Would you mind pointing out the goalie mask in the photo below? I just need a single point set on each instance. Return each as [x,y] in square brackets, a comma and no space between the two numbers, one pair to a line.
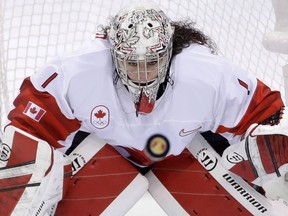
[141,39]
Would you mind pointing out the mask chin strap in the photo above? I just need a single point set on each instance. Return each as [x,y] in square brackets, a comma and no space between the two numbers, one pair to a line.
[143,106]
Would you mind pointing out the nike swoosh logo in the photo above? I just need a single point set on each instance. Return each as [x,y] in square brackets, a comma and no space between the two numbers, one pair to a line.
[183,133]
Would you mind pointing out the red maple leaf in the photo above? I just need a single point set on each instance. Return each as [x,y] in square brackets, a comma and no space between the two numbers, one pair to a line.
[33,110]
[100,114]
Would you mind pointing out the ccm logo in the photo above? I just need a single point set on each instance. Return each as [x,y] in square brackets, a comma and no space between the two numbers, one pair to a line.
[207,160]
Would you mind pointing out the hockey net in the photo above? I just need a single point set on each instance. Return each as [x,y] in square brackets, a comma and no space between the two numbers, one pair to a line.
[32,31]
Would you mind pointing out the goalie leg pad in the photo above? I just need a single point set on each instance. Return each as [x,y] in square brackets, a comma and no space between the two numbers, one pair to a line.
[107,185]
[31,174]
[182,186]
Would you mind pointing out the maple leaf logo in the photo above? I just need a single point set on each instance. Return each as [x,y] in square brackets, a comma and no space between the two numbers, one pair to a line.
[100,117]
[100,114]
[33,110]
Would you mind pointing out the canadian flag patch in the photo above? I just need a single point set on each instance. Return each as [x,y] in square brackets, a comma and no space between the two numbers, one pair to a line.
[34,111]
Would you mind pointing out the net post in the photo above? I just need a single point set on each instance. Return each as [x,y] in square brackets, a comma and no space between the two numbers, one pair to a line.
[277,41]
[285,75]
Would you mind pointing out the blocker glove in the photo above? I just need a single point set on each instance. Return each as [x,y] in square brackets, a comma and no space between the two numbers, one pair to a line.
[262,157]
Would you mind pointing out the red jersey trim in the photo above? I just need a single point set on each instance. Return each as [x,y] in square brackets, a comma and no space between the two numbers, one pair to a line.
[264,104]
[53,125]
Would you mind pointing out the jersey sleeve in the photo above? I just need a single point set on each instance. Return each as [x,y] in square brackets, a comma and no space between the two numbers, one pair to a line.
[41,107]
[246,100]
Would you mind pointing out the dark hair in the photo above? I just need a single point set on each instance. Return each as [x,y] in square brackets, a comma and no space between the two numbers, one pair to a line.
[186,34]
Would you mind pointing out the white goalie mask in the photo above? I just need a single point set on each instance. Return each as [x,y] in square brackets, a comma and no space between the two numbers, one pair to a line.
[141,39]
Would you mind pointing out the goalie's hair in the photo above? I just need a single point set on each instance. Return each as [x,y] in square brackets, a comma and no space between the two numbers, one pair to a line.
[186,34]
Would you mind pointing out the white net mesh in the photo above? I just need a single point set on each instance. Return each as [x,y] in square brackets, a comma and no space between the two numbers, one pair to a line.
[32,31]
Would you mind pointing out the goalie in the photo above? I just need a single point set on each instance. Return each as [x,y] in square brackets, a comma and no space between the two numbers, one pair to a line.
[145,85]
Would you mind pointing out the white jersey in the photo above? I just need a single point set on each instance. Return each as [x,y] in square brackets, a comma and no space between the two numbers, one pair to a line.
[208,93]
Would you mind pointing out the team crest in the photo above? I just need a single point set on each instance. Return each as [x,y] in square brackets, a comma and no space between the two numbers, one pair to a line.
[157,147]
[100,117]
